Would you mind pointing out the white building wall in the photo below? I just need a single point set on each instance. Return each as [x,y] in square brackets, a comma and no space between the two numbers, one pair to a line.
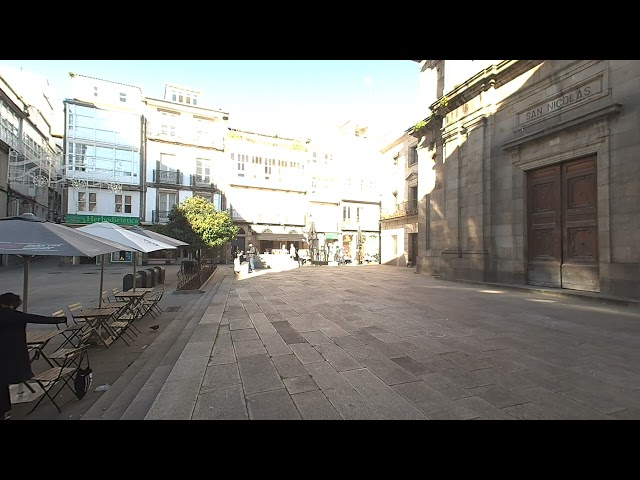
[107,93]
[458,72]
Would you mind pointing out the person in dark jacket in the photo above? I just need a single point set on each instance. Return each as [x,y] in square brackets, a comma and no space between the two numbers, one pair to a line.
[15,366]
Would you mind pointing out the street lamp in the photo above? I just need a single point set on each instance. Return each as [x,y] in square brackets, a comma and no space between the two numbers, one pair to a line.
[359,244]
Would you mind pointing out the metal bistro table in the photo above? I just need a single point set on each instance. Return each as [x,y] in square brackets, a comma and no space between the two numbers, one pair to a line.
[134,299]
[97,320]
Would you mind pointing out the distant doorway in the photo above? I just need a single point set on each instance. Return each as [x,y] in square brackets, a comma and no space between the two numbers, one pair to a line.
[413,249]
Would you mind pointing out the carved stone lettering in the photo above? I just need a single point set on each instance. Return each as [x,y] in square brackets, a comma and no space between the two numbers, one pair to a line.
[555,104]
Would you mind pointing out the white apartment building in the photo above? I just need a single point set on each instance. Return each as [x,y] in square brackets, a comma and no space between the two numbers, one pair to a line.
[358,160]
[185,155]
[104,154]
[323,197]
[266,190]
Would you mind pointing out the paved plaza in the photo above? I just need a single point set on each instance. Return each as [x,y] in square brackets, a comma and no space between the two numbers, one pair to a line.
[354,343]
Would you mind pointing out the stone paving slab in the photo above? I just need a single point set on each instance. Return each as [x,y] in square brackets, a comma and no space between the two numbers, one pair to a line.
[380,343]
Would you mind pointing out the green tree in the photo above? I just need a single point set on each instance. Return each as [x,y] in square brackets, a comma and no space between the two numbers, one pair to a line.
[197,222]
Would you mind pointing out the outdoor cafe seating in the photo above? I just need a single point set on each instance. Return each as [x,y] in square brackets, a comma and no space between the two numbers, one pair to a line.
[85,327]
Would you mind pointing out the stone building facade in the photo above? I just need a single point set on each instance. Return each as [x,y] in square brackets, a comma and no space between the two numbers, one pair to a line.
[537,179]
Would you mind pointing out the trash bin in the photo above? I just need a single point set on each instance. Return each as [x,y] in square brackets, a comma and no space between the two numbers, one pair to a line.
[160,277]
[127,281]
[153,277]
[145,276]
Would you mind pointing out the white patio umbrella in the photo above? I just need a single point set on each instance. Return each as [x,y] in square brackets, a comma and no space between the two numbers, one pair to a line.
[134,241]
[158,236]
[27,236]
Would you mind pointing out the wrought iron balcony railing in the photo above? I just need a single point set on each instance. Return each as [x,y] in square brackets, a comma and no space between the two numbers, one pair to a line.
[235,215]
[167,177]
[202,182]
[160,216]
[402,210]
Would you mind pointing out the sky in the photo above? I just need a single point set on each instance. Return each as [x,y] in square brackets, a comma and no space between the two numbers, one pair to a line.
[267,95]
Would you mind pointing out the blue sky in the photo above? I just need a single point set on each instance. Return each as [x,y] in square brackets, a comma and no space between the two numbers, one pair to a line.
[267,94]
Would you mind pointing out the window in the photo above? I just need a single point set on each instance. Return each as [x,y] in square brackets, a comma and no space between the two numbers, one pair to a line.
[268,162]
[203,170]
[87,202]
[181,99]
[168,162]
[413,155]
[204,129]
[77,156]
[123,97]
[123,204]
[166,201]
[242,159]
[413,199]
[346,213]
[173,97]
[168,123]
[195,101]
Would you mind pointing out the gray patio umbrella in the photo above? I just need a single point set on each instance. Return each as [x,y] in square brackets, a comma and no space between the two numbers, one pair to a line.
[134,241]
[27,236]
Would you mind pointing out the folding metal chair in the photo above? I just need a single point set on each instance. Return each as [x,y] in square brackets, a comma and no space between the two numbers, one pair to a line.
[151,306]
[71,332]
[123,323]
[64,375]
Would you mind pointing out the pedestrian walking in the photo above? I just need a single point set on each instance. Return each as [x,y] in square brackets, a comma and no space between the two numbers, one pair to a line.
[252,253]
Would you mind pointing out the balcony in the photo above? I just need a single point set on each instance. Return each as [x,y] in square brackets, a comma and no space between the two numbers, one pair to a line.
[166,177]
[203,182]
[160,216]
[403,209]
[235,215]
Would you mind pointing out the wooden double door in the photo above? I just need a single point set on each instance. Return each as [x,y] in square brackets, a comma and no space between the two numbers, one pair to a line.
[562,226]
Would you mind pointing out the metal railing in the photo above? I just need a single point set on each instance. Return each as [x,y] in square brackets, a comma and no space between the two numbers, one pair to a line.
[167,177]
[402,210]
[200,181]
[192,274]
[160,216]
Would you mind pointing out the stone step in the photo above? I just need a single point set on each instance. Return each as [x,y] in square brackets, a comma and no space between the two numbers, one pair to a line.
[132,392]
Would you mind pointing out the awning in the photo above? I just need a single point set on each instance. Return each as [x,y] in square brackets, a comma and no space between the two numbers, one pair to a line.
[283,237]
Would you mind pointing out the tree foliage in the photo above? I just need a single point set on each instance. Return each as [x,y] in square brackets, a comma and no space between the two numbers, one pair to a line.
[197,222]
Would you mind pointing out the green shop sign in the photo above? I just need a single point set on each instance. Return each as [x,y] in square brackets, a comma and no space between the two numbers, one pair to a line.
[331,236]
[88,219]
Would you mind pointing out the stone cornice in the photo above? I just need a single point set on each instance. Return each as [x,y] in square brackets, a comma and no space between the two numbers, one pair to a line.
[490,77]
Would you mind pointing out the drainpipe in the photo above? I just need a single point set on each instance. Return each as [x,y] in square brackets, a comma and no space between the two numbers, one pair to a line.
[380,232]
[143,170]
